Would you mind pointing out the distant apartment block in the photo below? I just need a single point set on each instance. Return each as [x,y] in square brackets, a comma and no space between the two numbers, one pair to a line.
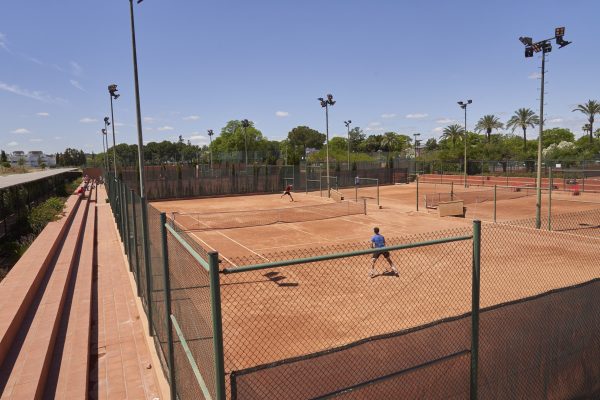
[31,159]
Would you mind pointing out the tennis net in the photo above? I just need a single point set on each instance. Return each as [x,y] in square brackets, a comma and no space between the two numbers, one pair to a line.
[196,221]
[432,200]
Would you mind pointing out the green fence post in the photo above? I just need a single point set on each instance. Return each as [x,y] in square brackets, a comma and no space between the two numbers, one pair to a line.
[551,184]
[417,179]
[147,262]
[215,301]
[475,309]
[136,267]
[167,288]
[495,186]
[126,220]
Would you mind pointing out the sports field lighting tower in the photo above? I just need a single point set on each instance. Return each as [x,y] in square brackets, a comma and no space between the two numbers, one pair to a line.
[245,125]
[463,105]
[103,131]
[112,93]
[210,135]
[325,104]
[347,123]
[416,142]
[545,47]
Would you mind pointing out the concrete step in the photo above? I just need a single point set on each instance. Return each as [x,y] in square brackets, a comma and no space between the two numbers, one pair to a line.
[25,369]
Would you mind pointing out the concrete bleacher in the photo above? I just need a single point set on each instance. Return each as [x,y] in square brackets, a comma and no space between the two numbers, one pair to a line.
[47,311]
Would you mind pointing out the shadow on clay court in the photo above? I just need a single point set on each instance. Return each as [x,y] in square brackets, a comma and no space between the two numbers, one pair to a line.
[278,279]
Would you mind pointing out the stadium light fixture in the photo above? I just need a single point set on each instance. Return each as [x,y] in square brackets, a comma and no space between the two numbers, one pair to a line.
[325,104]
[544,46]
[112,94]
[347,123]
[210,135]
[245,125]
[464,105]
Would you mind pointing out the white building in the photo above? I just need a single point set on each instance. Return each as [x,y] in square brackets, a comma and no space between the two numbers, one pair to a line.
[31,159]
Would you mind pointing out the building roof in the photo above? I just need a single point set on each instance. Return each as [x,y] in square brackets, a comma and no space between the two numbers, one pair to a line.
[19,179]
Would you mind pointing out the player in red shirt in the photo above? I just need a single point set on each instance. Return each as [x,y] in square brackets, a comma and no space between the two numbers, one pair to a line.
[288,189]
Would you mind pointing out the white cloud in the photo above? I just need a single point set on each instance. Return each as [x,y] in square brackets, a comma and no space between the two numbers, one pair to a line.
[35,140]
[75,68]
[439,129]
[43,114]
[374,123]
[444,121]
[35,94]
[57,137]
[556,120]
[416,116]
[88,120]
[3,42]
[166,128]
[20,131]
[374,127]
[191,118]
[76,84]
[388,115]
[282,114]
[534,75]
[12,144]
[119,124]
[149,120]
[148,129]
[197,138]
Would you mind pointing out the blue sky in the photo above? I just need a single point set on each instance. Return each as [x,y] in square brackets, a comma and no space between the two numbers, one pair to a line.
[391,65]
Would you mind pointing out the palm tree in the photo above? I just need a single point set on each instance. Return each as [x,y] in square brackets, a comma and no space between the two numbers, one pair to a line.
[590,108]
[524,118]
[389,141]
[453,132]
[488,123]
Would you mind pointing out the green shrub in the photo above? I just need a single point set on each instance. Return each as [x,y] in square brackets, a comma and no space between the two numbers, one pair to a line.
[42,214]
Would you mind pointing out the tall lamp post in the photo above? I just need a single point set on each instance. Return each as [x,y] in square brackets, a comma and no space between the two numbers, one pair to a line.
[416,142]
[545,47]
[210,135]
[325,104]
[246,124]
[112,92]
[463,105]
[347,123]
[104,149]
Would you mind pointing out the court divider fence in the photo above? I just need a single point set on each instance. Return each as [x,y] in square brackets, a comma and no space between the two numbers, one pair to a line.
[309,323]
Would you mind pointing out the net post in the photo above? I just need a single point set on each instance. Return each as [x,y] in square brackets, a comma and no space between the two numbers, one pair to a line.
[417,179]
[135,244]
[167,289]
[306,176]
[378,204]
[495,186]
[215,302]
[365,206]
[452,191]
[475,309]
[550,187]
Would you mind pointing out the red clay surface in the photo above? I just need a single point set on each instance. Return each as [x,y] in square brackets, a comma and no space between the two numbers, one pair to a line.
[275,314]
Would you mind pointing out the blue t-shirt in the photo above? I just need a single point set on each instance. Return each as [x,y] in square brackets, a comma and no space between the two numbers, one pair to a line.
[378,240]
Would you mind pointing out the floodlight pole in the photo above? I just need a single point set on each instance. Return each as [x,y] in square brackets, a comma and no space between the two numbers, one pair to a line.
[112,118]
[210,135]
[415,135]
[103,148]
[464,106]
[347,123]
[325,103]
[545,47]
[538,203]
[245,125]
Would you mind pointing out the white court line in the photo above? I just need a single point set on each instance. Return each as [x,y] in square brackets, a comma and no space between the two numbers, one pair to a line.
[241,245]
[213,249]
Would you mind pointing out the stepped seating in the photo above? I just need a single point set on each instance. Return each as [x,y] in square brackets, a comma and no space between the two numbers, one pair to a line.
[45,310]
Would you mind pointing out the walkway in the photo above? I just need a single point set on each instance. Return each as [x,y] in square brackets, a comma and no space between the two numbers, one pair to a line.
[125,369]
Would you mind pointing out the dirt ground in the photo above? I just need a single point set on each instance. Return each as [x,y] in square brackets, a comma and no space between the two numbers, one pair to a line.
[275,314]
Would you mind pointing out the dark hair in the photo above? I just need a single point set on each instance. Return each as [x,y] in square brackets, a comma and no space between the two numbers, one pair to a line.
[376,230]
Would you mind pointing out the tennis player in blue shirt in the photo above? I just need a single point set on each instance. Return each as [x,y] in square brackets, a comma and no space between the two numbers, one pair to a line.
[378,241]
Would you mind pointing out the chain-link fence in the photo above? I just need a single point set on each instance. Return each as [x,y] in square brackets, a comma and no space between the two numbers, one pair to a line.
[500,311]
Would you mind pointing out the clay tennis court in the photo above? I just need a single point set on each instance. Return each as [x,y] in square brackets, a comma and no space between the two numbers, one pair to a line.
[282,313]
